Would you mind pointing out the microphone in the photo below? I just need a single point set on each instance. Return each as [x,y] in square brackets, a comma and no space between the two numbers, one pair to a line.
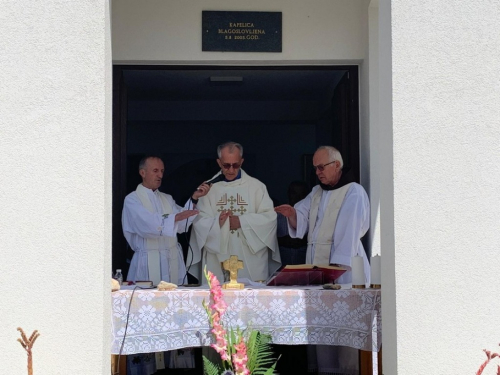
[216,179]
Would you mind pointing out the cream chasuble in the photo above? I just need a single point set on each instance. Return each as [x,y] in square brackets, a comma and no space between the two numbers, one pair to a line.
[255,243]
[153,244]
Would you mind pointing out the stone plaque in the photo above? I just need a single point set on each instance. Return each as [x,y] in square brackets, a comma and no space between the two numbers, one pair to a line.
[241,31]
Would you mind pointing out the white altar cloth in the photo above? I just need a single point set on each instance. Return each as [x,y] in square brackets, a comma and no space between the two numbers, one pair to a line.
[161,321]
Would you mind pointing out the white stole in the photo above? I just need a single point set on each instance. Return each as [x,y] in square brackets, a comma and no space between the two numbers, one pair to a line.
[324,239]
[153,244]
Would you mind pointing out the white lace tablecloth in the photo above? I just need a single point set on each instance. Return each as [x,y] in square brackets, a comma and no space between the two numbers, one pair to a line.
[161,321]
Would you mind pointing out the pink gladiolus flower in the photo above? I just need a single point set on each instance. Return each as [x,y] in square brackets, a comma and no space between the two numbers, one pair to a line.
[212,280]
[220,308]
[233,355]
[216,311]
[219,332]
[220,349]
[240,358]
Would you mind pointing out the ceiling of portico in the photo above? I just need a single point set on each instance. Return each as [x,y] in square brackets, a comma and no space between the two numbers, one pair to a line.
[270,91]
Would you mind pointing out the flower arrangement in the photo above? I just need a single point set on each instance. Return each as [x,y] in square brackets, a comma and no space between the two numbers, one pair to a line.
[241,353]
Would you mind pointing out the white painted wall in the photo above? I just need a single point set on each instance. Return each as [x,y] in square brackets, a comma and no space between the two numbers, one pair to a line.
[446,167]
[55,190]
[372,164]
[384,130]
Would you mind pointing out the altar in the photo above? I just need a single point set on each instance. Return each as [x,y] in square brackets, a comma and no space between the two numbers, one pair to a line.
[149,320]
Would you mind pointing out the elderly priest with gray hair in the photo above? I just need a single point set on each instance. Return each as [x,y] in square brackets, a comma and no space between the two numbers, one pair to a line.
[151,220]
[236,218]
[336,215]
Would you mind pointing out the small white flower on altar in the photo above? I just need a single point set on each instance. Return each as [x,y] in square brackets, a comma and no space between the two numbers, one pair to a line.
[228,372]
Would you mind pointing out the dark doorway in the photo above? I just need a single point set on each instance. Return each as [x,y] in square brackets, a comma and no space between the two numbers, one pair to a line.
[279,114]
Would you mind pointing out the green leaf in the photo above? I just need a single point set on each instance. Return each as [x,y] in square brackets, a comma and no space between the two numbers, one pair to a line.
[210,368]
[260,354]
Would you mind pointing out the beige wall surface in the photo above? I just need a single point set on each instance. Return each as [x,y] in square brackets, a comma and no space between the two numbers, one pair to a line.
[170,30]
[445,99]
[55,190]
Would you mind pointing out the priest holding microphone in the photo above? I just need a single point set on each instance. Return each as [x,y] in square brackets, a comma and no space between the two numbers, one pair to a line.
[236,218]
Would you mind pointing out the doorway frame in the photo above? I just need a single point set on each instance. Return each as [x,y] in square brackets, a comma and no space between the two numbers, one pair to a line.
[119,143]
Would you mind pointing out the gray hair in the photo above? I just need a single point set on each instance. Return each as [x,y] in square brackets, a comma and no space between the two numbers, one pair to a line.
[144,160]
[333,154]
[231,146]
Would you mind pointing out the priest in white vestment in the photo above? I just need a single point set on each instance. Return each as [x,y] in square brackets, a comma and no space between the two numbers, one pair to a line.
[336,216]
[236,218]
[151,220]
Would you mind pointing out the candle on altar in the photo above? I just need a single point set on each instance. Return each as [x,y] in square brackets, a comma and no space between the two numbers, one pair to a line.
[375,271]
[358,271]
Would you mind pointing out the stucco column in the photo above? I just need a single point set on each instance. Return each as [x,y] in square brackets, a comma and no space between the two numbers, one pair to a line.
[55,189]
[440,111]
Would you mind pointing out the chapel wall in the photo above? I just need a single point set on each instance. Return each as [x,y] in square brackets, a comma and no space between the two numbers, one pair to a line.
[55,189]
[441,168]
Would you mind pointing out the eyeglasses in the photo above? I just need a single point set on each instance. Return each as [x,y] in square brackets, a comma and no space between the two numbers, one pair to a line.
[228,165]
[321,167]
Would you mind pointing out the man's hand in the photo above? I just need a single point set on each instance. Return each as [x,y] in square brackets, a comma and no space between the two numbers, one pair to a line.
[286,210]
[234,222]
[202,190]
[185,214]
[223,217]
[289,212]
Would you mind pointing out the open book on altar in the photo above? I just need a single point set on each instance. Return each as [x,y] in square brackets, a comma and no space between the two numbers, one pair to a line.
[293,267]
[306,274]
